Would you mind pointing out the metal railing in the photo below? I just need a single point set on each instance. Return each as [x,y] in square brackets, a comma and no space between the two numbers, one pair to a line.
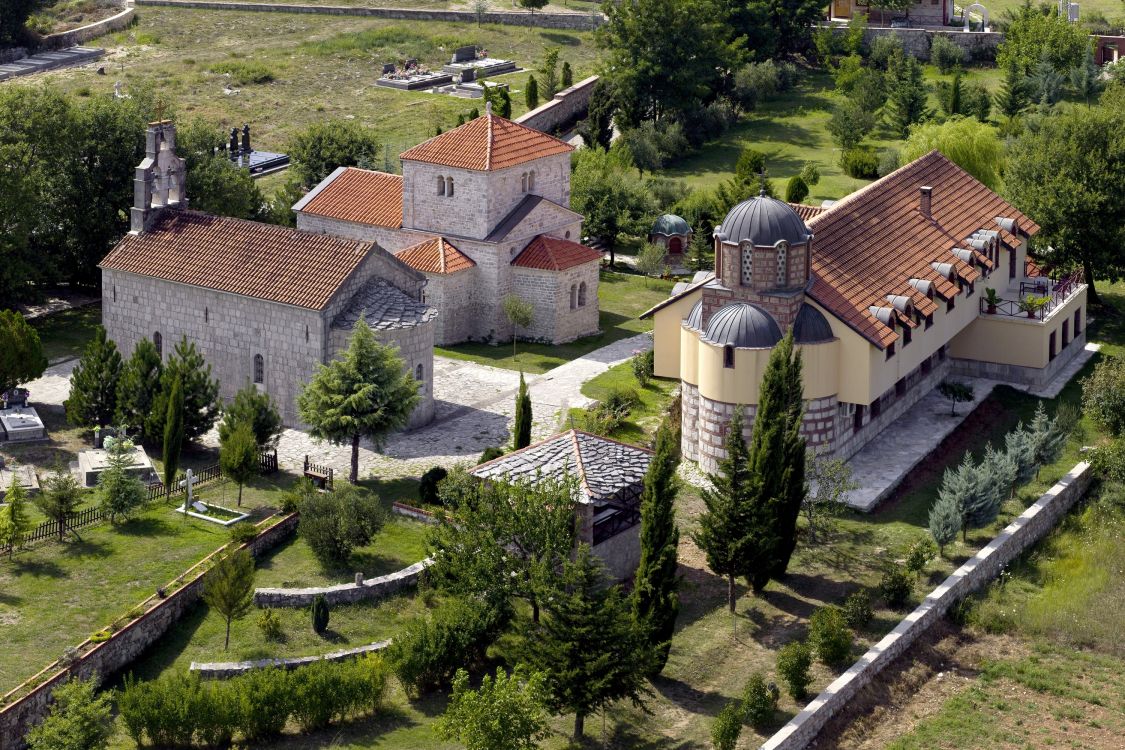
[1056,293]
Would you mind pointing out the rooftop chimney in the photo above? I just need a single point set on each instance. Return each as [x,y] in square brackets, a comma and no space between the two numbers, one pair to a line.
[924,195]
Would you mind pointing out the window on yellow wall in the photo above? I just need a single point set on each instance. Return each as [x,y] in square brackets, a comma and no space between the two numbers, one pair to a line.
[728,356]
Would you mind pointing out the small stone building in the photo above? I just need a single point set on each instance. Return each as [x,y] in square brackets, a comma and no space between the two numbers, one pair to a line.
[673,234]
[610,478]
[480,211]
[264,304]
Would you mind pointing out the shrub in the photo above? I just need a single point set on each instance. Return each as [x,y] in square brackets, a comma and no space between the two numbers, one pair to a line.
[883,50]
[896,586]
[243,72]
[796,190]
[759,701]
[857,609]
[728,726]
[320,614]
[335,523]
[1109,461]
[888,161]
[264,703]
[829,636]
[429,650]
[428,486]
[810,173]
[241,533]
[793,663]
[490,453]
[643,364]
[755,82]
[1103,395]
[270,625]
[621,399]
[920,554]
[324,692]
[945,54]
[860,163]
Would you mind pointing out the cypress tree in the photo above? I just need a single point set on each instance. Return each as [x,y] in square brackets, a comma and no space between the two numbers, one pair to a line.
[139,386]
[955,95]
[1011,99]
[532,93]
[726,526]
[655,601]
[93,384]
[793,489]
[173,435]
[521,430]
[567,75]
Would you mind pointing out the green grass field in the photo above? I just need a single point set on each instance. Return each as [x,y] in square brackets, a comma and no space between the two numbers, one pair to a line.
[622,298]
[639,427]
[66,333]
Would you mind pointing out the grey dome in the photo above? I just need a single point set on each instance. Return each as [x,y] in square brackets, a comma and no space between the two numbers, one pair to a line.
[670,224]
[744,325]
[810,326]
[694,318]
[764,221]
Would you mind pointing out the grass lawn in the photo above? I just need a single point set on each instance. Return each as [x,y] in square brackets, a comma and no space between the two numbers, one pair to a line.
[639,427]
[322,67]
[66,333]
[622,298]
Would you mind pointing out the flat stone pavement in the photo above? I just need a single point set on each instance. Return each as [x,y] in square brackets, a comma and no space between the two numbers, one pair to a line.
[475,409]
[63,58]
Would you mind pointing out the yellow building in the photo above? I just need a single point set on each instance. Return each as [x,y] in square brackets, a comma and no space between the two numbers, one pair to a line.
[886,292]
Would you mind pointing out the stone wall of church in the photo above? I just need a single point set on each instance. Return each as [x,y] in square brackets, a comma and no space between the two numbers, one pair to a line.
[505,186]
[390,239]
[228,329]
[549,293]
[463,214]
[452,295]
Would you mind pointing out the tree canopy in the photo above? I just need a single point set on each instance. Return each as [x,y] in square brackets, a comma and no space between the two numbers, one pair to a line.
[21,353]
[967,142]
[1032,35]
[324,146]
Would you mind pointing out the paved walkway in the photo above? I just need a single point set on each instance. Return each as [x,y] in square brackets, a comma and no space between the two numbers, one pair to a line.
[475,409]
[63,58]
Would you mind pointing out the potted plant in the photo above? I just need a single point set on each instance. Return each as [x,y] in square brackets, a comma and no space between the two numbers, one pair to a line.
[992,299]
[1032,304]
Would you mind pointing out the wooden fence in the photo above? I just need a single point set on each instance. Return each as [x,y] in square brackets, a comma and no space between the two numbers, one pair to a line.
[319,474]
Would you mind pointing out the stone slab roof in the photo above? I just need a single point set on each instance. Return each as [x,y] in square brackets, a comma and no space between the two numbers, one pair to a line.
[359,195]
[486,143]
[384,307]
[258,260]
[540,209]
[435,255]
[554,254]
[603,467]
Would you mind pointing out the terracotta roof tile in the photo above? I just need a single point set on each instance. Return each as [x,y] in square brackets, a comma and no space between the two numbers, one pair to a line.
[807,212]
[359,195]
[554,254]
[435,255]
[870,243]
[488,142]
[242,257]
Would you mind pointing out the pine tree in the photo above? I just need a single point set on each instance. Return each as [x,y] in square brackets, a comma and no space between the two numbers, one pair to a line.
[589,647]
[238,456]
[532,94]
[139,386]
[1012,99]
[173,435]
[983,504]
[1021,452]
[1001,469]
[521,430]
[93,384]
[59,499]
[964,488]
[954,95]
[726,526]
[255,408]
[1045,438]
[655,601]
[945,521]
[1086,79]
[200,392]
[907,95]
[229,588]
[119,491]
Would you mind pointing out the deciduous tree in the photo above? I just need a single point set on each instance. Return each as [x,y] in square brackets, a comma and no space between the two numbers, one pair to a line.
[323,146]
[967,142]
[79,719]
[830,481]
[335,523]
[507,712]
[520,314]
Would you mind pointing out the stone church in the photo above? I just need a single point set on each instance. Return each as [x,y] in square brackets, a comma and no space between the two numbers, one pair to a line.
[481,212]
[264,304]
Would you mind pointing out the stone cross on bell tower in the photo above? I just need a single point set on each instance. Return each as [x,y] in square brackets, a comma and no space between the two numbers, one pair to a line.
[160,179]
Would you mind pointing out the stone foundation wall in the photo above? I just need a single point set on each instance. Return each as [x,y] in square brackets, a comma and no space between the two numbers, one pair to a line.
[983,568]
[689,421]
[567,107]
[226,670]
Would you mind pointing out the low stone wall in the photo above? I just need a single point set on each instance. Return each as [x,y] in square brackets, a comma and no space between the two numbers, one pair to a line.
[344,593]
[410,511]
[567,107]
[224,670]
[571,21]
[91,31]
[984,567]
[979,45]
[103,659]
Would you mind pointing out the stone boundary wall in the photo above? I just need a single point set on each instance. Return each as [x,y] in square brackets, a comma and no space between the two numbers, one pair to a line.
[979,45]
[226,670]
[982,568]
[108,657]
[567,107]
[410,511]
[569,21]
[91,31]
[344,593]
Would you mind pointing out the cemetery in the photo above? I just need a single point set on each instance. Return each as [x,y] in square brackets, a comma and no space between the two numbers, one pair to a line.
[462,77]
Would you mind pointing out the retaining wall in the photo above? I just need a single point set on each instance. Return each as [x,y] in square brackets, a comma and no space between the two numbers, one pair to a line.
[979,45]
[571,21]
[565,108]
[91,31]
[228,669]
[344,593]
[984,567]
[103,659]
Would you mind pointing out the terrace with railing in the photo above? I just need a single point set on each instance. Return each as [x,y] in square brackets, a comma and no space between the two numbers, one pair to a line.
[1039,296]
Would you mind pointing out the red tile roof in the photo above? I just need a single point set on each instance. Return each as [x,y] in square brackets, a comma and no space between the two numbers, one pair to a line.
[242,257]
[872,242]
[360,195]
[554,254]
[488,142]
[807,212]
[435,255]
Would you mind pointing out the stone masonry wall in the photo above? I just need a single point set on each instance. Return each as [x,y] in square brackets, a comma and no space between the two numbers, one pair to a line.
[978,45]
[506,188]
[689,421]
[227,670]
[567,107]
[89,31]
[572,21]
[981,569]
[344,593]
[105,659]
[549,293]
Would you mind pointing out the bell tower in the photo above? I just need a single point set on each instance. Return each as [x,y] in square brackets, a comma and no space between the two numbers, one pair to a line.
[160,180]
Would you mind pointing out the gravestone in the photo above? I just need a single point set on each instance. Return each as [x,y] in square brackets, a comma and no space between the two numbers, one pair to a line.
[388,68]
[464,54]
[468,75]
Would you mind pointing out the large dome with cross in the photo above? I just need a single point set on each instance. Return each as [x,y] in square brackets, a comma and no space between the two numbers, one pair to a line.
[763,221]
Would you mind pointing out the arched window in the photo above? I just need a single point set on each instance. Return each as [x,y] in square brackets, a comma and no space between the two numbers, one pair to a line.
[531,180]
[158,342]
[440,185]
[259,368]
[782,262]
[582,294]
[747,265]
[419,372]
[573,296]
[728,356]
[523,182]
[449,186]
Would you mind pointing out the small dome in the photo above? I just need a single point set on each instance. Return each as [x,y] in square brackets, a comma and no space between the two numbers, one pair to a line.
[694,318]
[670,224]
[743,325]
[810,326]
[764,221]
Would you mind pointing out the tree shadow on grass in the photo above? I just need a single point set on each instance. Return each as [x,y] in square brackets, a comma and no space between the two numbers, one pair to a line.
[566,40]
[38,568]
[162,655]
[626,735]
[147,526]
[87,548]
[819,587]
[689,697]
